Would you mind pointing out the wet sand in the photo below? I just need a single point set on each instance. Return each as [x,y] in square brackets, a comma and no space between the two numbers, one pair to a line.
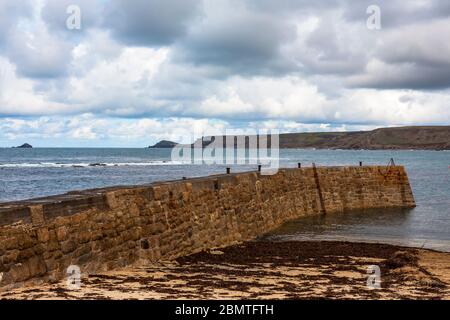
[268,270]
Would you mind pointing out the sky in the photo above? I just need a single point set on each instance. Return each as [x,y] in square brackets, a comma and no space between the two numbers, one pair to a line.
[133,72]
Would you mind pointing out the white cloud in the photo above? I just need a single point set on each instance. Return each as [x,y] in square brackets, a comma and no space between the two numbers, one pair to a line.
[391,107]
[117,86]
[39,54]
[88,129]
[17,95]
[113,131]
[282,98]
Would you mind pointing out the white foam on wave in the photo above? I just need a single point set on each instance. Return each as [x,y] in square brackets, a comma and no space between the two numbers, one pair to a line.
[90,165]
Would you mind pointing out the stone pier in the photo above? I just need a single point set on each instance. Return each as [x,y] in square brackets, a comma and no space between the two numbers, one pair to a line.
[110,228]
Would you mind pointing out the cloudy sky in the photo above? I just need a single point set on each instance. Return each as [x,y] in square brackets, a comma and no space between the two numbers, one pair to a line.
[142,70]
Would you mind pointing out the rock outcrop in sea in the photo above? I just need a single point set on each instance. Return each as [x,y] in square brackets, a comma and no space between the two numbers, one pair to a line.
[24,146]
[164,144]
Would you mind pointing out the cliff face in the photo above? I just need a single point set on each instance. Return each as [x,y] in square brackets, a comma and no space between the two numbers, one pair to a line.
[110,228]
[423,138]
[403,138]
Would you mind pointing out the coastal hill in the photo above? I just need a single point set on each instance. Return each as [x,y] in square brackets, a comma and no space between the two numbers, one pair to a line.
[419,138]
[164,144]
[24,146]
[400,138]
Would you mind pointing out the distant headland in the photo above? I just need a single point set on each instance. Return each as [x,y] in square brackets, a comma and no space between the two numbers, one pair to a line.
[399,138]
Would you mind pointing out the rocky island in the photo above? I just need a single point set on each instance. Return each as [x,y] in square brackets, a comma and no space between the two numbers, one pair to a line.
[164,144]
[24,146]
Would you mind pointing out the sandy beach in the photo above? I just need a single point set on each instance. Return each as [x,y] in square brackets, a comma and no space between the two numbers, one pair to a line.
[268,270]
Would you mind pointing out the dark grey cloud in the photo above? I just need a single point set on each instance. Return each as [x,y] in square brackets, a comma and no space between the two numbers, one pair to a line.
[150,22]
[256,39]
[245,43]
[410,57]
[325,52]
[404,76]
[10,14]
[422,45]
[29,45]
[410,50]
[39,56]
[291,6]
[247,38]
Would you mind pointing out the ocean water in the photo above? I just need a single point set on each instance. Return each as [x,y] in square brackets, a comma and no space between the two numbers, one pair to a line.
[29,173]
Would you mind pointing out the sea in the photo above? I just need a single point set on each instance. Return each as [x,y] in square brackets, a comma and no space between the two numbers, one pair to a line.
[38,172]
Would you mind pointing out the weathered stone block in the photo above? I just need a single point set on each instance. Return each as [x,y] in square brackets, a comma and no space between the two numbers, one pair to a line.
[37,266]
[84,259]
[25,240]
[68,246]
[61,233]
[37,215]
[84,236]
[111,200]
[25,254]
[19,272]
[10,243]
[10,257]
[82,250]
[52,246]
[43,234]
[157,193]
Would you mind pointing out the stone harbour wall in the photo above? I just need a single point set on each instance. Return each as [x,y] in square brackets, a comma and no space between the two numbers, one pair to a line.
[109,228]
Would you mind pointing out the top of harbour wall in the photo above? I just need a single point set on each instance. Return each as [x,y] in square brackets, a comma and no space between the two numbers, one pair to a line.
[78,201]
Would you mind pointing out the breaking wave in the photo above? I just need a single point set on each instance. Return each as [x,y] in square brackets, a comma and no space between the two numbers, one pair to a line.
[89,165]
